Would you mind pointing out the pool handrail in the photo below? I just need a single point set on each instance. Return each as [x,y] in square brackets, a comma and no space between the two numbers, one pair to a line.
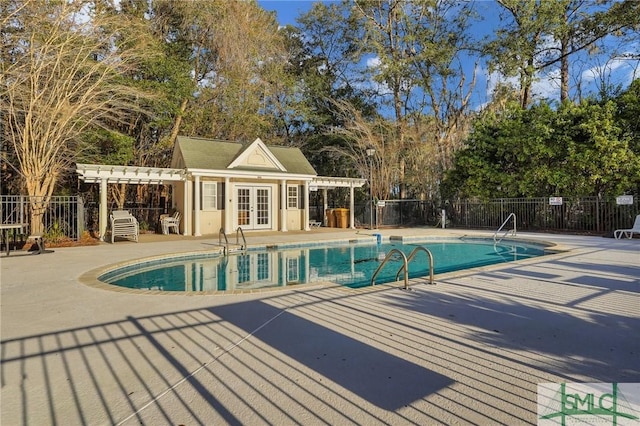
[387,257]
[513,231]
[244,241]
[239,232]
[412,255]
[226,241]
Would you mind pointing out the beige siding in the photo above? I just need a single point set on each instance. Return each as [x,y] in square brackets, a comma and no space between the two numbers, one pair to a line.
[211,222]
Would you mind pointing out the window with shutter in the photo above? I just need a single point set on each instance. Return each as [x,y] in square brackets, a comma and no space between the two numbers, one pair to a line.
[292,197]
[209,195]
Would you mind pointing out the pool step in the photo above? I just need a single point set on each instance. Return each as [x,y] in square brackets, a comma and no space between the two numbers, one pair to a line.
[234,249]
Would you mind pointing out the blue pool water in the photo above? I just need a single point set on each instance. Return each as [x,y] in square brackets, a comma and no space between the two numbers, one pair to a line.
[350,265]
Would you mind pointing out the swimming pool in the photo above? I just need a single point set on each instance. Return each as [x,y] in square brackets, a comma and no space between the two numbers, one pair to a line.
[351,265]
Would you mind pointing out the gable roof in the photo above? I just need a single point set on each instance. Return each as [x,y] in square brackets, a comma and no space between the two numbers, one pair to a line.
[257,155]
[210,154]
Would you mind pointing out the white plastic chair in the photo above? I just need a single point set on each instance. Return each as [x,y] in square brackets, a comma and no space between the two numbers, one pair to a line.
[171,222]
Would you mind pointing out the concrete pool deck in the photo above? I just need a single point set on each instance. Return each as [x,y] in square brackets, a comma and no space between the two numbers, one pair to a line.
[469,350]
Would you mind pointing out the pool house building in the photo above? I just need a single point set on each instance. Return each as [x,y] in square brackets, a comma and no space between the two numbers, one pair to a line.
[221,185]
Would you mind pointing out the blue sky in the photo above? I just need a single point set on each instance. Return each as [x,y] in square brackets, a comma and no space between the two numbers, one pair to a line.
[287,10]
[587,68]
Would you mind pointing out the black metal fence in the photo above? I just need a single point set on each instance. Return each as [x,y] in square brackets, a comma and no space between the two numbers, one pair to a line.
[66,217]
[58,216]
[576,214]
[592,215]
[148,217]
[69,216]
[397,213]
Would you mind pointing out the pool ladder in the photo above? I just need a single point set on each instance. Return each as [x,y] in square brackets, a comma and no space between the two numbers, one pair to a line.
[405,265]
[239,233]
[512,231]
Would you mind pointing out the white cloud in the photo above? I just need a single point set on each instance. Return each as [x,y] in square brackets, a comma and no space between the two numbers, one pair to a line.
[623,68]
[494,79]
[547,86]
[373,62]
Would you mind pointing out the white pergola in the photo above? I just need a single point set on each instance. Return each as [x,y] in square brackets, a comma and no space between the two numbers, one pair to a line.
[104,174]
[326,183]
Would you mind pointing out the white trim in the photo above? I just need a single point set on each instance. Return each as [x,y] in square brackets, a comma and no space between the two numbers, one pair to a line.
[337,182]
[256,145]
[253,190]
[352,217]
[246,174]
[206,184]
[305,215]
[229,205]
[196,207]
[283,205]
[94,173]
[297,196]
[186,213]
[103,210]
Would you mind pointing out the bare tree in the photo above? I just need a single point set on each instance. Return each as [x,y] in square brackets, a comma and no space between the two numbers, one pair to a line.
[365,134]
[63,65]
[420,46]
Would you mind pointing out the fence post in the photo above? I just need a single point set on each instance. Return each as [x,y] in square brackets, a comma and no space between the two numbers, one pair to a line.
[80,221]
[22,209]
[598,227]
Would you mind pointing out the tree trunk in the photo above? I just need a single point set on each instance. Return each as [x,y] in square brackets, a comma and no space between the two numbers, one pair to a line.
[39,191]
[178,122]
[564,70]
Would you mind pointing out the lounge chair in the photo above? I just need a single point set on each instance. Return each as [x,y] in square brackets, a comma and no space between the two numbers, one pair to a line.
[171,222]
[314,224]
[123,224]
[618,233]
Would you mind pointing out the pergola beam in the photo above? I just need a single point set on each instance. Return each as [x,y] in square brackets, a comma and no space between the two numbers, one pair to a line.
[94,173]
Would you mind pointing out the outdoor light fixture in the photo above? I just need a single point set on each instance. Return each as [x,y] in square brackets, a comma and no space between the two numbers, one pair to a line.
[370,153]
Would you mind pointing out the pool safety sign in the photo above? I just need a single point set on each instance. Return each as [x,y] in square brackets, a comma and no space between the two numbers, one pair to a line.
[555,201]
[616,404]
[624,200]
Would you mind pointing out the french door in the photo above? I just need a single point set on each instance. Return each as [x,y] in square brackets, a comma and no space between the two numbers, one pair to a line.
[253,207]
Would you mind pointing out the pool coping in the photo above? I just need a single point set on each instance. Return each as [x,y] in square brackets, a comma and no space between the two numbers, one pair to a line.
[91,278]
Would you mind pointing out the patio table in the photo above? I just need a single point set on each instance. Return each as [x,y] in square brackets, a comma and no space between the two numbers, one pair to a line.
[6,228]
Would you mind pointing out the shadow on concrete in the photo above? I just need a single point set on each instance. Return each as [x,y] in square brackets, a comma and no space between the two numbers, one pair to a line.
[383,379]
[118,372]
[590,328]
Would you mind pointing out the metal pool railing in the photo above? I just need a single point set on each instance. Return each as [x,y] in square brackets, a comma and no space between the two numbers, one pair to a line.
[58,216]
[413,254]
[599,215]
[405,264]
[513,231]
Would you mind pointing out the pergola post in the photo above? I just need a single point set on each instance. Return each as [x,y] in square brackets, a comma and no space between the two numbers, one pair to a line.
[102,221]
[305,225]
[196,208]
[352,206]
[283,205]
[186,216]
[228,206]
[325,205]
